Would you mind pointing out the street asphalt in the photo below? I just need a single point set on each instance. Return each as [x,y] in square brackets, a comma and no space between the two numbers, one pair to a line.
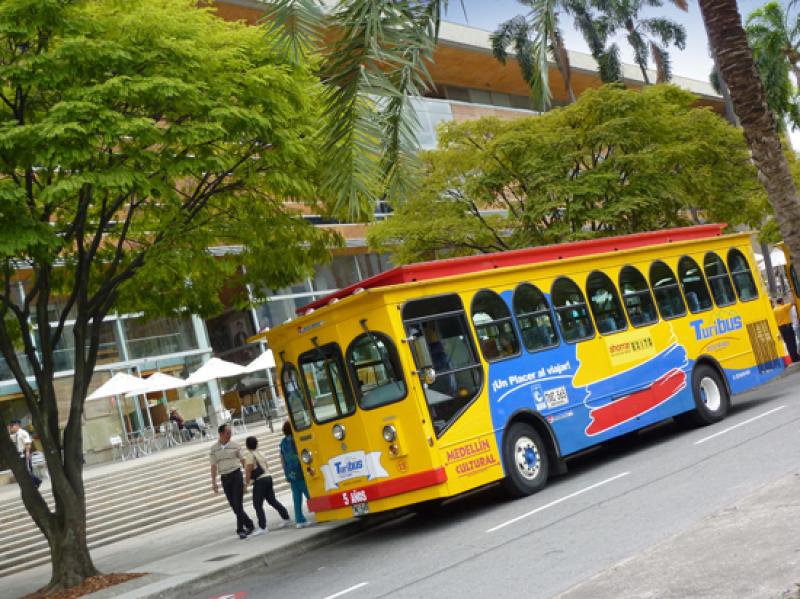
[707,512]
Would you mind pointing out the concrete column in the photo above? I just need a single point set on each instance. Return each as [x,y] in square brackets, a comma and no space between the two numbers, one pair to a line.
[203,342]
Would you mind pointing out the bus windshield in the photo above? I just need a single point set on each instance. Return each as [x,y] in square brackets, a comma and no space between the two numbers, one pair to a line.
[327,388]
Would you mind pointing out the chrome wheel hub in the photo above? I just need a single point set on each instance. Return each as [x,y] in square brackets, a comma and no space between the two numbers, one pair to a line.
[527,458]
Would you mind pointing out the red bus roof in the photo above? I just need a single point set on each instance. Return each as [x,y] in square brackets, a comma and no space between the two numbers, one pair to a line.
[435,269]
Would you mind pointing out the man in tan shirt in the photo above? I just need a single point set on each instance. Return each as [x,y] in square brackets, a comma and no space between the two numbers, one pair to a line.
[226,458]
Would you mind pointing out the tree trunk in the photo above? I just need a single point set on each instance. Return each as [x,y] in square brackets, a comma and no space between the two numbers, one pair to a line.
[735,60]
[638,52]
[730,113]
[771,286]
[562,62]
[69,550]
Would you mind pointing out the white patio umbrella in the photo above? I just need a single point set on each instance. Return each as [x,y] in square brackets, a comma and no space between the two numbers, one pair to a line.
[158,381]
[118,385]
[776,256]
[214,369]
[262,362]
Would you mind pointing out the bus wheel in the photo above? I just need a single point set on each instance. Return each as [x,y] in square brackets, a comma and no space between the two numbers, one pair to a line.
[711,397]
[525,460]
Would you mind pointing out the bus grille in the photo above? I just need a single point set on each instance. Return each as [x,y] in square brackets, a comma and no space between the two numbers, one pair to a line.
[763,345]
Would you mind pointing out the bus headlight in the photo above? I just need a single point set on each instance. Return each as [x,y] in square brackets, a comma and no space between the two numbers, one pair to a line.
[389,433]
[338,432]
[306,456]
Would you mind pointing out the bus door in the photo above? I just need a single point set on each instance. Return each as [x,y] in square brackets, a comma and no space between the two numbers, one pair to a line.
[445,357]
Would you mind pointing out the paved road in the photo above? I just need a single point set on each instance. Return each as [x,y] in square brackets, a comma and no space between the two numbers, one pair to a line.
[614,504]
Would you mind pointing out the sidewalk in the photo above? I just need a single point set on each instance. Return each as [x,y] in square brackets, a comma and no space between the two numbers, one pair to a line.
[183,559]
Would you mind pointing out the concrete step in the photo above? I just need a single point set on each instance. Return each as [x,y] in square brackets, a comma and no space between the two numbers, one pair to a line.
[173,480]
[124,526]
[109,517]
[131,501]
[134,477]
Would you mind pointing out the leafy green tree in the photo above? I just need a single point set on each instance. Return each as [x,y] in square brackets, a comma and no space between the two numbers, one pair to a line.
[134,136]
[773,32]
[537,36]
[648,37]
[616,161]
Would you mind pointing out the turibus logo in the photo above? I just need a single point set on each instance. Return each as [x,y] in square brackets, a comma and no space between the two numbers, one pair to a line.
[352,465]
[719,326]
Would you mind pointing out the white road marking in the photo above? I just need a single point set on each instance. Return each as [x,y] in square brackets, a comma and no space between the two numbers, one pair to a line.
[557,501]
[742,423]
[352,588]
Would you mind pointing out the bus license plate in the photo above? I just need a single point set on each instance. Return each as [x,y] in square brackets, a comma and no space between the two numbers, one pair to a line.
[360,509]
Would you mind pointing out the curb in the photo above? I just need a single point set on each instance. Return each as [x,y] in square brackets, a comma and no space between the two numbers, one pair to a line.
[180,586]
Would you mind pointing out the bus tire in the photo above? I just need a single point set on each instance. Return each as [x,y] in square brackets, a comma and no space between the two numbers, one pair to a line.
[525,460]
[711,397]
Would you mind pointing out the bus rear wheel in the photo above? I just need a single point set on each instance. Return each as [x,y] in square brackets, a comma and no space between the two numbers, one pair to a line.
[525,460]
[711,399]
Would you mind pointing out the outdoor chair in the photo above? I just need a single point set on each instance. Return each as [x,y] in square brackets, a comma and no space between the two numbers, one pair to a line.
[201,423]
[237,422]
[117,448]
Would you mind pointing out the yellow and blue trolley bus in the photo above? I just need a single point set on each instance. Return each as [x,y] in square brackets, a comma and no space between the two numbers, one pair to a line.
[429,380]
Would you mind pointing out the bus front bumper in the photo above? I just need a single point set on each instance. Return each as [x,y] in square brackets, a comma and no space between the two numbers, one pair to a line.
[374,493]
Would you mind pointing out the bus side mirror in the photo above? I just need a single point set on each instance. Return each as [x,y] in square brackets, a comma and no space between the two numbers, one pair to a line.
[429,375]
[419,345]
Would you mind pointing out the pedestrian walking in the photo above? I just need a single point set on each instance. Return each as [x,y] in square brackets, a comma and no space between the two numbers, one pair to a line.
[226,458]
[23,442]
[255,469]
[783,317]
[294,474]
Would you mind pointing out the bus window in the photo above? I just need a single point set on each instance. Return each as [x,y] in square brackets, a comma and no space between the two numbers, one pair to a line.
[571,311]
[296,402]
[325,383]
[637,297]
[605,304]
[665,287]
[458,373]
[718,280]
[742,277]
[375,370]
[534,318]
[492,321]
[694,285]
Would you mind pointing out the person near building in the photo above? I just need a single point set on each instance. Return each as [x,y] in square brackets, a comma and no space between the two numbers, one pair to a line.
[23,442]
[783,317]
[226,459]
[190,426]
[294,474]
[255,470]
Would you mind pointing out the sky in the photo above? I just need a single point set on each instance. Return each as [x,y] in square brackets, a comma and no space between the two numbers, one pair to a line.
[692,62]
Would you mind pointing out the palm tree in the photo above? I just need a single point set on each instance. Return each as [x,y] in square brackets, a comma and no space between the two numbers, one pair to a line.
[373,55]
[536,36]
[774,35]
[648,37]
[737,67]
